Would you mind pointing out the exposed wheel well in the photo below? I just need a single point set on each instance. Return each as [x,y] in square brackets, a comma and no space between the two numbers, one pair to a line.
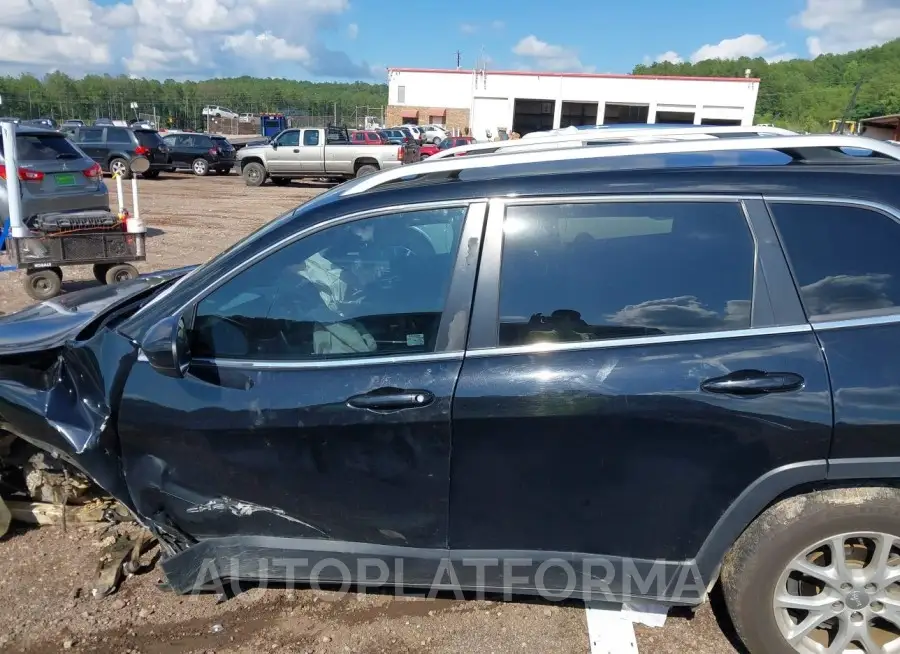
[365,161]
[250,160]
[712,554]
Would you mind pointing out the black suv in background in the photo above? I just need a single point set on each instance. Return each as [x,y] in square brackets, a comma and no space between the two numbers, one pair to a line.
[114,147]
[200,152]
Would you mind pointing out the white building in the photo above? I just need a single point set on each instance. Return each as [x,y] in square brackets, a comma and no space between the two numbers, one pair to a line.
[484,101]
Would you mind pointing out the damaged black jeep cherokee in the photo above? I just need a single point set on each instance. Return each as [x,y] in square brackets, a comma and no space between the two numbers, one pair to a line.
[612,376]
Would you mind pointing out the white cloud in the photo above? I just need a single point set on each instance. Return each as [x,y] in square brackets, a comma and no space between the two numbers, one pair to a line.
[747,45]
[175,38]
[497,24]
[544,56]
[468,28]
[671,56]
[838,26]
[352,30]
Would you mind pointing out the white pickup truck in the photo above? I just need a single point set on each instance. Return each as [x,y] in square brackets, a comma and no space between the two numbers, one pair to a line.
[310,152]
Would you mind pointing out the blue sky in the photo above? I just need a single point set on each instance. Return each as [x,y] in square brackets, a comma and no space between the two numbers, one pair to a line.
[358,39]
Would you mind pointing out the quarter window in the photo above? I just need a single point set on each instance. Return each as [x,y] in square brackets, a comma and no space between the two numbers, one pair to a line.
[311,137]
[584,272]
[117,135]
[844,258]
[373,287]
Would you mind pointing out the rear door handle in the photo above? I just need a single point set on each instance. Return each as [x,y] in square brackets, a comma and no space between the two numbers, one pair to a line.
[391,399]
[754,382]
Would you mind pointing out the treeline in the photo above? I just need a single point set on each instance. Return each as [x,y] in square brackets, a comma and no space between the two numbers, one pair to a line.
[806,94]
[103,96]
[798,94]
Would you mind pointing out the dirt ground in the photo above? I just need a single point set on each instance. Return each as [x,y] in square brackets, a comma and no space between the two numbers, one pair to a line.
[43,607]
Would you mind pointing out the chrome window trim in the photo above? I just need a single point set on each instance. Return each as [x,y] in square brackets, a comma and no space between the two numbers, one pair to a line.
[258,364]
[544,348]
[319,227]
[846,323]
[835,321]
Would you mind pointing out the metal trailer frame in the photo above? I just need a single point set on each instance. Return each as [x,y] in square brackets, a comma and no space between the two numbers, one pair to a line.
[109,249]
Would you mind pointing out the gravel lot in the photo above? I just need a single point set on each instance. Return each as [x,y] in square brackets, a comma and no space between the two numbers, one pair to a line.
[44,610]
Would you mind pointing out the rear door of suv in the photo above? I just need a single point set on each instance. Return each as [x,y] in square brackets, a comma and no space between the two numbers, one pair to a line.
[632,369]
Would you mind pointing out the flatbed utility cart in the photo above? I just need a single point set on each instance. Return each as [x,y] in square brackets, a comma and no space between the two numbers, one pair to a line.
[42,245]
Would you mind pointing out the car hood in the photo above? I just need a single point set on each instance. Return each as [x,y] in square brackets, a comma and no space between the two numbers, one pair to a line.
[252,149]
[51,323]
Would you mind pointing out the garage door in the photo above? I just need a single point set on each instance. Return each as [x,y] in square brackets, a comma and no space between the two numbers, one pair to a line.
[489,114]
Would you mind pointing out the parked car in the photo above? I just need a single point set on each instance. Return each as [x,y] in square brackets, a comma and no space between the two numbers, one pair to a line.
[246,118]
[200,153]
[304,153]
[413,132]
[10,119]
[661,427]
[54,174]
[114,148]
[454,141]
[46,123]
[428,149]
[103,122]
[219,112]
[396,136]
[433,134]
[73,122]
[368,137]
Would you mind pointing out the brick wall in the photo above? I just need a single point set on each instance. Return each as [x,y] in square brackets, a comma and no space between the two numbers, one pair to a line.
[453,118]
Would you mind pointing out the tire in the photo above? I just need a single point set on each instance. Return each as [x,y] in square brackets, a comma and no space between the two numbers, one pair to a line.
[367,169]
[151,174]
[120,272]
[200,167]
[281,181]
[436,140]
[43,284]
[120,165]
[757,564]
[99,270]
[254,174]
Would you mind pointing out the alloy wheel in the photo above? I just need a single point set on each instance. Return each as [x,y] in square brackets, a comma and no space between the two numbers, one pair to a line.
[842,595]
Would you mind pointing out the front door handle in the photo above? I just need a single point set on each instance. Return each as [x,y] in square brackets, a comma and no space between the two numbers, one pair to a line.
[391,399]
[297,150]
[754,382]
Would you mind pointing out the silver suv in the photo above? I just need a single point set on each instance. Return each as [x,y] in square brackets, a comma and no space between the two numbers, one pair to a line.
[55,175]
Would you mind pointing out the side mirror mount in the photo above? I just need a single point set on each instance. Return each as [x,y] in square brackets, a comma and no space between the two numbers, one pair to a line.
[166,347]
[274,144]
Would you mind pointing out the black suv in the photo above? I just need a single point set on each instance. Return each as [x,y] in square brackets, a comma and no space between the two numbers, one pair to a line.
[609,372]
[114,147]
[200,152]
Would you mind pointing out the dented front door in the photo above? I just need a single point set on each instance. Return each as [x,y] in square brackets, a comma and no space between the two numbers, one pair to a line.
[292,424]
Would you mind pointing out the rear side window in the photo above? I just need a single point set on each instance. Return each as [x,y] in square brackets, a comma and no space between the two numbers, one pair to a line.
[93,135]
[50,147]
[148,138]
[117,135]
[311,137]
[584,272]
[844,258]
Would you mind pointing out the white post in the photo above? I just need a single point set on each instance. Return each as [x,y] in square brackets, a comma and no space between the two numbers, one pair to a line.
[120,194]
[13,185]
[135,225]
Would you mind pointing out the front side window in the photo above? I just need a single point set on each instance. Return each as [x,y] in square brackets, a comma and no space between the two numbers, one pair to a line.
[289,139]
[585,272]
[372,287]
[844,258]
